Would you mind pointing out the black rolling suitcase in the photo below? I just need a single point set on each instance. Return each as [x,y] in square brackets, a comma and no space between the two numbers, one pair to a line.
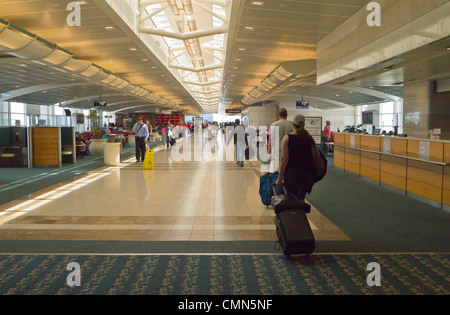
[294,233]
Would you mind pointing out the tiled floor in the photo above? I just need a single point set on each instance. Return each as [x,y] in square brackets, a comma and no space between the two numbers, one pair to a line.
[178,201]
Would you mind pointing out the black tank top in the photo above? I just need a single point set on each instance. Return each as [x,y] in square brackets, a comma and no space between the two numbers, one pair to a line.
[300,155]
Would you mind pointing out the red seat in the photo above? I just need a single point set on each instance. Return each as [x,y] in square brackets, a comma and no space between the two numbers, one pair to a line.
[81,149]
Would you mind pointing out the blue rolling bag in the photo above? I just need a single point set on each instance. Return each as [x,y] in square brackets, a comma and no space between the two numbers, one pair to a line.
[265,188]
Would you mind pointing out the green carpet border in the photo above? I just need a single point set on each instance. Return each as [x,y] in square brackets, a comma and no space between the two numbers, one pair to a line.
[239,275]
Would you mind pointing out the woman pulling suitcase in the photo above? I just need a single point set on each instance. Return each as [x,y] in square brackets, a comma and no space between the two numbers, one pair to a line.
[299,170]
[298,153]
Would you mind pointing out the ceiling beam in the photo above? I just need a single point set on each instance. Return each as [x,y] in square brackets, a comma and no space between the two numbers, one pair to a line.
[82,99]
[131,107]
[39,88]
[325,100]
[185,36]
[353,88]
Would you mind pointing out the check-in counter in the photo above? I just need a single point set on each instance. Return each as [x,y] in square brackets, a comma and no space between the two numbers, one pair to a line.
[393,171]
[370,165]
[417,167]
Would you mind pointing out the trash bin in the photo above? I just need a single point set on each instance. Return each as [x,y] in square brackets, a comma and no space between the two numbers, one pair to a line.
[112,153]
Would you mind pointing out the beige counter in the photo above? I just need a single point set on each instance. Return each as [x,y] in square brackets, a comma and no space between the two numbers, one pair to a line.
[419,167]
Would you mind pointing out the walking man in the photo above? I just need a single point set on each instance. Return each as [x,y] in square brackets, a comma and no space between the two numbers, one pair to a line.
[142,134]
[285,128]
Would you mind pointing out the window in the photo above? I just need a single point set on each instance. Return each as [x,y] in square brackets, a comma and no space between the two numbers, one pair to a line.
[17,108]
[390,115]
[18,119]
[4,115]
[18,111]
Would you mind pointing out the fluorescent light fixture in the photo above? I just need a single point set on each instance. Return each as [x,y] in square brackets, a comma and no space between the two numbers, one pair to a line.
[187,6]
[269,84]
[174,7]
[281,71]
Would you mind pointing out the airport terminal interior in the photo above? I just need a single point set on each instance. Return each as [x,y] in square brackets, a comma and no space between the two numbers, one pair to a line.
[79,214]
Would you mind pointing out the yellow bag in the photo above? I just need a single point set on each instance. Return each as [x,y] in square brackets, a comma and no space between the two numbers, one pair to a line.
[149,160]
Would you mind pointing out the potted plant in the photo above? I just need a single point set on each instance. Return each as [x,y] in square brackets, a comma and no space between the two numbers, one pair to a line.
[97,143]
[353,129]
[130,124]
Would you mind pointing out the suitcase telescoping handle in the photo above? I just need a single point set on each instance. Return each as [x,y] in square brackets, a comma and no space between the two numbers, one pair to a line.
[275,191]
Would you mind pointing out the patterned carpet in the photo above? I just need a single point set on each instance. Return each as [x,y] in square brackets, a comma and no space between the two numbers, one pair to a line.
[401,274]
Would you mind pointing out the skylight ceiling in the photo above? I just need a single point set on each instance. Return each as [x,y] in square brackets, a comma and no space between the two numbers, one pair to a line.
[194,33]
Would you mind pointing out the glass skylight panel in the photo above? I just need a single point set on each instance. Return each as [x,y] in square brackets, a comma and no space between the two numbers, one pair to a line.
[218,40]
[204,16]
[219,11]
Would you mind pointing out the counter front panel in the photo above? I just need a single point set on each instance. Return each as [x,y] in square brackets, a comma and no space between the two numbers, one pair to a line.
[415,166]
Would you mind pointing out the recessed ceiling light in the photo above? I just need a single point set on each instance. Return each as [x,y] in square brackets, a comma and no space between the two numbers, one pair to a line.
[238,59]
[258,3]
[144,59]
[248,28]
[242,49]
[132,49]
[110,28]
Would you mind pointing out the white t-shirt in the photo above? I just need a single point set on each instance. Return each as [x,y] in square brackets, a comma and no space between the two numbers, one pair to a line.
[284,128]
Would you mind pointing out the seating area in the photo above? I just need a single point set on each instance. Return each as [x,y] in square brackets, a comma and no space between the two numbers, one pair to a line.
[88,135]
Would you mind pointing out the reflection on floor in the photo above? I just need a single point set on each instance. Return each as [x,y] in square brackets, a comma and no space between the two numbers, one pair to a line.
[178,201]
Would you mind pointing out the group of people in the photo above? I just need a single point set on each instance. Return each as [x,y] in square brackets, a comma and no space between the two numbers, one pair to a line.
[298,150]
[169,133]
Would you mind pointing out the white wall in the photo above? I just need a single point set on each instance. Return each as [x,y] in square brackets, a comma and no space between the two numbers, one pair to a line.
[262,116]
[339,118]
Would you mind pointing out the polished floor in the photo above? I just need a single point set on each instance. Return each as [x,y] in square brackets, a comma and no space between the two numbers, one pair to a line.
[178,201]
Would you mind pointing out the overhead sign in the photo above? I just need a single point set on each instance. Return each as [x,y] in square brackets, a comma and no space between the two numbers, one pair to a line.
[233,111]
